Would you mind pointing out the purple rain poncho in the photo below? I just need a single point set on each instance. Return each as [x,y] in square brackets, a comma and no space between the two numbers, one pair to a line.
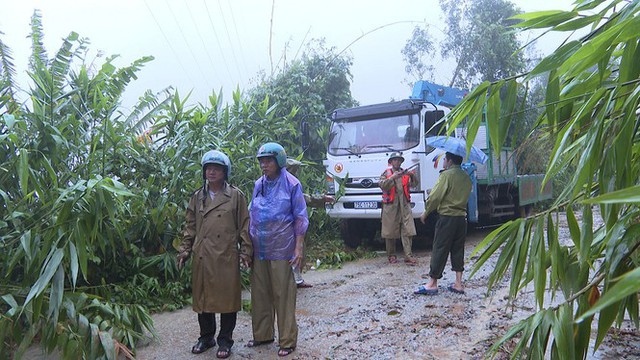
[278,214]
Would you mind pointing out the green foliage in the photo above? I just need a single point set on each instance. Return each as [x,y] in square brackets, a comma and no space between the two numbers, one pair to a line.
[477,39]
[417,49]
[92,200]
[591,118]
[309,89]
[331,253]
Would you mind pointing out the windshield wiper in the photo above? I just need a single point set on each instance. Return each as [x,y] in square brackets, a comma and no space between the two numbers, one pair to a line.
[346,149]
[388,147]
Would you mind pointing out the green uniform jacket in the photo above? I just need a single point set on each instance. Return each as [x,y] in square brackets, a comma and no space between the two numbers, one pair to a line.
[216,234]
[396,216]
[450,194]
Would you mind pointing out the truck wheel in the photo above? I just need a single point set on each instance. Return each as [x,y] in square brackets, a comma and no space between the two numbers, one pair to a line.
[351,232]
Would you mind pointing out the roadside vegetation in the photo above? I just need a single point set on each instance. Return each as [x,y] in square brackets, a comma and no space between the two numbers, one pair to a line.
[92,199]
[592,118]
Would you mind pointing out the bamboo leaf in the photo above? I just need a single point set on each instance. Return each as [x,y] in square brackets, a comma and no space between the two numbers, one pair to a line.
[25,241]
[73,262]
[49,269]
[108,345]
[55,296]
[23,171]
[493,117]
[629,64]
[543,19]
[578,23]
[586,236]
[563,331]
[540,263]
[625,285]
[521,252]
[556,59]
[574,228]
[507,110]
[622,196]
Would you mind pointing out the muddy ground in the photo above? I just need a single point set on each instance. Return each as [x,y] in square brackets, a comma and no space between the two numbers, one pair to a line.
[367,310]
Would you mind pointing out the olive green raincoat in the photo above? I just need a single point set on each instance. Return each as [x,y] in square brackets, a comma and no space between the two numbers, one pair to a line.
[216,233]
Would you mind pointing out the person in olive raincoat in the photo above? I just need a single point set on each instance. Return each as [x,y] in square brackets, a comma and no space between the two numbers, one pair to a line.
[217,234]
[397,220]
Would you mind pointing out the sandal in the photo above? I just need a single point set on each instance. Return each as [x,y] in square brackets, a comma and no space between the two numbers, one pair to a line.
[253,343]
[223,352]
[285,351]
[410,261]
[393,259]
[203,345]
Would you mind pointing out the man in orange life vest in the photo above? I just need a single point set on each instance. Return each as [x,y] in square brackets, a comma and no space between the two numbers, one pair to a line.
[397,221]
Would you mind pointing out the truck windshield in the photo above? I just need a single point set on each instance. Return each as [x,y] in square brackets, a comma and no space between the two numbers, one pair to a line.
[349,137]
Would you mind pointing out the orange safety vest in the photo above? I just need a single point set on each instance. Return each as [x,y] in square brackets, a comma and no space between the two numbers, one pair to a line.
[389,195]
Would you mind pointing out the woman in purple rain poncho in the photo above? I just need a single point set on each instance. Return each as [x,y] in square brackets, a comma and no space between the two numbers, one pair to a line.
[278,223]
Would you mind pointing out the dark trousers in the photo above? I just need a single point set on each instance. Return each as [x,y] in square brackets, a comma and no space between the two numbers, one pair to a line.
[207,322]
[448,239]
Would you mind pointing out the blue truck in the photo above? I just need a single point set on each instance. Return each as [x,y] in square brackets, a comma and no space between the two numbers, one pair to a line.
[362,138]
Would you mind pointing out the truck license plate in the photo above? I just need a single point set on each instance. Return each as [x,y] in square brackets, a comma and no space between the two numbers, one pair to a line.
[365,204]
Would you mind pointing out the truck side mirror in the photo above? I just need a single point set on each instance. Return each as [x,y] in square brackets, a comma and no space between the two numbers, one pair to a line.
[304,129]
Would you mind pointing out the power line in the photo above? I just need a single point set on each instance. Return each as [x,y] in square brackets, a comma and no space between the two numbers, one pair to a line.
[193,20]
[184,38]
[235,59]
[168,42]
[224,58]
[233,19]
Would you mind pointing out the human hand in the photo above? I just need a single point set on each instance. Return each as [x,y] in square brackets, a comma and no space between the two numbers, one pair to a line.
[182,258]
[296,260]
[423,218]
[245,262]
[329,199]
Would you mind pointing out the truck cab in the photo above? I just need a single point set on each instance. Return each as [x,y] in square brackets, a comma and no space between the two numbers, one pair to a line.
[360,142]
[362,138]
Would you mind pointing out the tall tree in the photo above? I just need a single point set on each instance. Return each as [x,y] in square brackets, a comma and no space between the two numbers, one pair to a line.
[479,41]
[477,38]
[592,118]
[310,88]
[414,53]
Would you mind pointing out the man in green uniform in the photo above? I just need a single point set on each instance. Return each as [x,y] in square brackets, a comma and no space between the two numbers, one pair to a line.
[449,197]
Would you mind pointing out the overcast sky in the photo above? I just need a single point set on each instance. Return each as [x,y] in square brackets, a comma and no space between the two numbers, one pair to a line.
[205,45]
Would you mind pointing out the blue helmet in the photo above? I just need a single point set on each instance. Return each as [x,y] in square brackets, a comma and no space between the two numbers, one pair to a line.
[216,157]
[275,150]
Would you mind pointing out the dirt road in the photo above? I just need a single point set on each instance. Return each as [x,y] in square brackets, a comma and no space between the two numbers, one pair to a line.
[367,310]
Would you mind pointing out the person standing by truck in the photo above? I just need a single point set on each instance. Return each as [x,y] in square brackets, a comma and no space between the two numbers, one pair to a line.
[449,197]
[397,221]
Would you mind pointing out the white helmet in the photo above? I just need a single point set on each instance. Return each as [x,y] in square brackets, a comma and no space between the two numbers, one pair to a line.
[216,157]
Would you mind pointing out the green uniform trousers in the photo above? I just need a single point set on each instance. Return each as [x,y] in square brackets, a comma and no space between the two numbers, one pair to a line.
[449,238]
[273,294]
